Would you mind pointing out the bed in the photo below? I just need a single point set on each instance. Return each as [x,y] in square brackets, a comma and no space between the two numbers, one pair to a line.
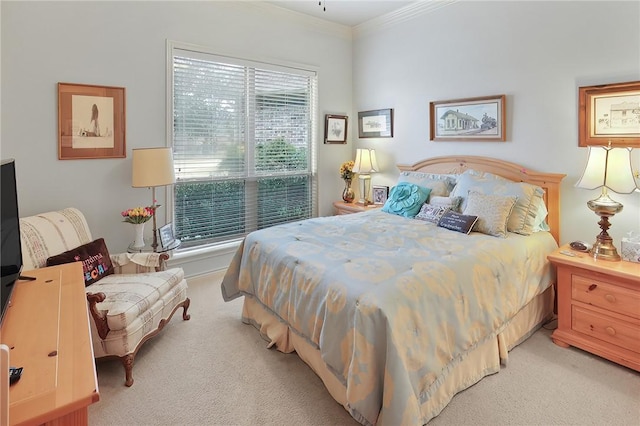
[396,315]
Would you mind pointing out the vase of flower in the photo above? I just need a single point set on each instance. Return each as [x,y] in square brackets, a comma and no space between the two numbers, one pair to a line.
[138,242]
[348,195]
[346,173]
[138,216]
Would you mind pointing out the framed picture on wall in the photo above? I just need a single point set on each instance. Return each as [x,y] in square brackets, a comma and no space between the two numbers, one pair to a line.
[375,123]
[335,128]
[91,121]
[470,119]
[609,113]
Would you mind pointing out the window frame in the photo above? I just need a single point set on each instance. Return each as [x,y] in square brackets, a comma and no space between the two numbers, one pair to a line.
[208,54]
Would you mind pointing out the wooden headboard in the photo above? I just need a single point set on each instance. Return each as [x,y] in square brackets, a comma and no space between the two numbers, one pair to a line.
[457,164]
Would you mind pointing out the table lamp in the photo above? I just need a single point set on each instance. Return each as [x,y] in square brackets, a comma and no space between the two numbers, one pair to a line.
[365,164]
[153,167]
[607,168]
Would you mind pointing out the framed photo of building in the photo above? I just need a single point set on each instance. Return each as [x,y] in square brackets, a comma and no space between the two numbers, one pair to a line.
[335,128]
[470,119]
[380,194]
[609,113]
[91,121]
[375,123]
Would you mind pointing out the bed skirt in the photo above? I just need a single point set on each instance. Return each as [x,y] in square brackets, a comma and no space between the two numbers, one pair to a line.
[482,361]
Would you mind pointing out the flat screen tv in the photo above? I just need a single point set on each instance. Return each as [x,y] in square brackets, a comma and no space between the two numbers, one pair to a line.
[10,251]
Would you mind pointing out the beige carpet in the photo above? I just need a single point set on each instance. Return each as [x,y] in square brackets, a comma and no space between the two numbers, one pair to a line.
[214,370]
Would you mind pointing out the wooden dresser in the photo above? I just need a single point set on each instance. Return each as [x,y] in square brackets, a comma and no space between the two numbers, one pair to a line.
[47,331]
[598,306]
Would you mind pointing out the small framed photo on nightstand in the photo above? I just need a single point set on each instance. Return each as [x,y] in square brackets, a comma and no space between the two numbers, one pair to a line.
[380,194]
[166,235]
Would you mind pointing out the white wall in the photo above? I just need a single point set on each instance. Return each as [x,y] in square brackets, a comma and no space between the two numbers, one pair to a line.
[123,44]
[537,53]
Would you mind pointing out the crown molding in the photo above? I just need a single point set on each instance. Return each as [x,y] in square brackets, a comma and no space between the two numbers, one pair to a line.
[401,15]
[328,27]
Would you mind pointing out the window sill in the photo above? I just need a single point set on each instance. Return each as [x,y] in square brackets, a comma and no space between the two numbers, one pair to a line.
[203,260]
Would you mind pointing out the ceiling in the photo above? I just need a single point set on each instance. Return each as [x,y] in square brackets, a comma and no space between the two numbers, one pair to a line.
[345,12]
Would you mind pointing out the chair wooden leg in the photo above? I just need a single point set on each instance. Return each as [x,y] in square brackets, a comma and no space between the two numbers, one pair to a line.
[185,306]
[127,362]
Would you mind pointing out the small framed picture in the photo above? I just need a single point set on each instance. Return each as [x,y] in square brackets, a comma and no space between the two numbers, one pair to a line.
[380,194]
[375,123]
[335,128]
[166,235]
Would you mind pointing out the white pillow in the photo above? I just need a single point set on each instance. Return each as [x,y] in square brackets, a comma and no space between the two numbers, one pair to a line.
[452,202]
[440,185]
[540,222]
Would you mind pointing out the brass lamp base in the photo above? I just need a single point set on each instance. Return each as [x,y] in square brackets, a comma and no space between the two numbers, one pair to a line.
[604,249]
[604,207]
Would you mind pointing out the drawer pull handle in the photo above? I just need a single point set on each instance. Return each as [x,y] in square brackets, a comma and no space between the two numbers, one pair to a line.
[611,331]
[610,298]
[593,287]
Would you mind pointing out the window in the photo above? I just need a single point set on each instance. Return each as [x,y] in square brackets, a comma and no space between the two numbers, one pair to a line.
[243,145]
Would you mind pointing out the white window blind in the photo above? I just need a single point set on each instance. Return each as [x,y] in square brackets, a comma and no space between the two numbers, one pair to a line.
[243,145]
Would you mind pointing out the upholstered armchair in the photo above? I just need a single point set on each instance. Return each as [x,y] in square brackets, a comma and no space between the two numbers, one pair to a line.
[130,297]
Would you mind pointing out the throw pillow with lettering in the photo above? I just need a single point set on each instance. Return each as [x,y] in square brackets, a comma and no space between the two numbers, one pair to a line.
[96,263]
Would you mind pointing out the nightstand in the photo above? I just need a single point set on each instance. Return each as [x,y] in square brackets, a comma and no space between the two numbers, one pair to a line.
[349,208]
[598,306]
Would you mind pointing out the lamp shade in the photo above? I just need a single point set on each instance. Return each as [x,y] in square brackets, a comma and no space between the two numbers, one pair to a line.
[366,161]
[610,168]
[152,167]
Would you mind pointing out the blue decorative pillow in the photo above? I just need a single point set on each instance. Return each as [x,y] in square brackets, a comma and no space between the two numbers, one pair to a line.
[406,199]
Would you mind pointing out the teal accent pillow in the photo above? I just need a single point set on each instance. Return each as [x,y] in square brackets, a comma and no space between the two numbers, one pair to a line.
[406,199]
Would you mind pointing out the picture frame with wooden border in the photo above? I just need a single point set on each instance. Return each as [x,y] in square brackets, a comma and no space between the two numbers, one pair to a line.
[469,119]
[91,121]
[375,123]
[335,129]
[609,113]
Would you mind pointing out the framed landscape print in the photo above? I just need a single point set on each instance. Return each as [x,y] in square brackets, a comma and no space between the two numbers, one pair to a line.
[470,119]
[609,113]
[335,129]
[91,121]
[375,124]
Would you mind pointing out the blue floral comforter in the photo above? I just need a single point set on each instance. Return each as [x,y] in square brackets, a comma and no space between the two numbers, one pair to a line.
[391,303]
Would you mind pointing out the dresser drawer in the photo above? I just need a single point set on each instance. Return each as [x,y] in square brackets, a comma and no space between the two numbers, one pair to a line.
[605,328]
[605,295]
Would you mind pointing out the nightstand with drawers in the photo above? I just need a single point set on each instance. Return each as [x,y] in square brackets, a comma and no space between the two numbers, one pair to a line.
[598,306]
[349,208]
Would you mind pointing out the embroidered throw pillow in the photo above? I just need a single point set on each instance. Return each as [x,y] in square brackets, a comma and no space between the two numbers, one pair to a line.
[405,199]
[431,213]
[457,222]
[96,263]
